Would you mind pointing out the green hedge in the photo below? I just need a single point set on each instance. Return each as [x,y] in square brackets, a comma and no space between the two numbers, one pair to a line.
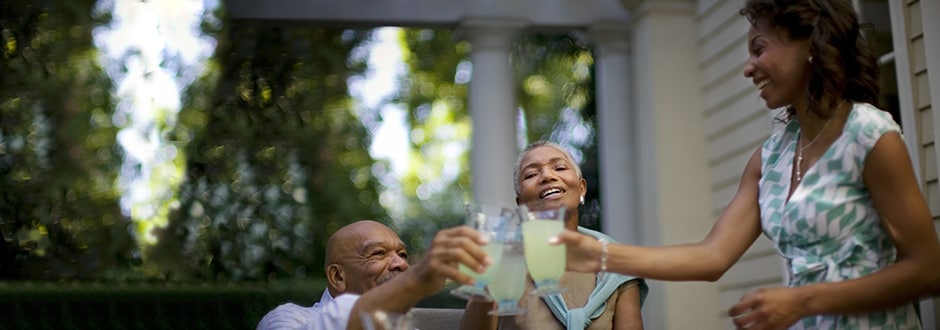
[43,305]
[146,305]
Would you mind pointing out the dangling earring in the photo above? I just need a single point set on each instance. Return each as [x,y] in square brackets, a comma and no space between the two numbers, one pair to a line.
[810,59]
[582,199]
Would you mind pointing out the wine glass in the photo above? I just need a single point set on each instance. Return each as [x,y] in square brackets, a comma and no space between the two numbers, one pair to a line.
[510,272]
[488,220]
[542,220]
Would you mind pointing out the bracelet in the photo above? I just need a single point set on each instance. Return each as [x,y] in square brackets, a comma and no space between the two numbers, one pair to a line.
[603,254]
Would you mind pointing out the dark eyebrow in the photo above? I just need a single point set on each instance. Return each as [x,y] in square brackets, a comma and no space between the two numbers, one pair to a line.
[368,246]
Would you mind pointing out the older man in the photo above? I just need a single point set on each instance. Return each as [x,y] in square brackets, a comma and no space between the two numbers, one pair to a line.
[365,254]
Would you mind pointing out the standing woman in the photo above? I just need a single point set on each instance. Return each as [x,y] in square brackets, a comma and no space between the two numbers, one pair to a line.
[833,188]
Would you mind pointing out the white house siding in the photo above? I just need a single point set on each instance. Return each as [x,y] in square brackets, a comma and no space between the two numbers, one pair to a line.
[926,124]
[922,39]
[736,123]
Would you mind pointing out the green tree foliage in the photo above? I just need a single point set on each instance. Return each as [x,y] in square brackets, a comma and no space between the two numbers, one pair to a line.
[276,157]
[59,212]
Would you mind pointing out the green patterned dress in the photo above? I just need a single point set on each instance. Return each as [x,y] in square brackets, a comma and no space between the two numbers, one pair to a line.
[829,230]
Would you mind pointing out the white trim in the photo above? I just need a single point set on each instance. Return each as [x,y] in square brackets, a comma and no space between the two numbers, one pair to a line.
[551,14]
[886,58]
[642,8]
[932,55]
[905,87]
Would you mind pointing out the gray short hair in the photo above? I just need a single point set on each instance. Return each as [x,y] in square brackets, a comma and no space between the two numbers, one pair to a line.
[536,144]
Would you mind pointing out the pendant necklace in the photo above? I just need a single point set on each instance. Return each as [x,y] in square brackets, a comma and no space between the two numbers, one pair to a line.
[801,147]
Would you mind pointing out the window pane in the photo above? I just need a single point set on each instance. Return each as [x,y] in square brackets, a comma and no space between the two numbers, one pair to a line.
[888,100]
[876,13]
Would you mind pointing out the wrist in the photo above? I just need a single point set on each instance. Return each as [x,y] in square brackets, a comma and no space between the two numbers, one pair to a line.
[418,280]
[602,262]
[809,304]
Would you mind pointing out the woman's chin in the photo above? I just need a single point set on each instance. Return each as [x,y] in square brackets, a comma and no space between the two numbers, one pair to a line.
[771,105]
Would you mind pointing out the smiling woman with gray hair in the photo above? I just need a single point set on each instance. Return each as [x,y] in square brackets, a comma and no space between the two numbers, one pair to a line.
[546,171]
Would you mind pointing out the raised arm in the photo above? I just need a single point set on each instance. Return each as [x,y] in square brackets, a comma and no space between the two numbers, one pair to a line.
[735,231]
[449,247]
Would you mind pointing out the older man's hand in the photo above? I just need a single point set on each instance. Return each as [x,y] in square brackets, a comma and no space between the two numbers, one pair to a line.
[451,247]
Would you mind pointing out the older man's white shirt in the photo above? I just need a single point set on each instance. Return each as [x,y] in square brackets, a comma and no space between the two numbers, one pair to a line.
[328,314]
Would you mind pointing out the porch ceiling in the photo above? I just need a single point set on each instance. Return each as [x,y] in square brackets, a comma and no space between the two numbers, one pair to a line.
[539,14]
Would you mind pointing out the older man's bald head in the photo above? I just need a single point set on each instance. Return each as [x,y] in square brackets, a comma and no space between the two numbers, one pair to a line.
[353,234]
[362,255]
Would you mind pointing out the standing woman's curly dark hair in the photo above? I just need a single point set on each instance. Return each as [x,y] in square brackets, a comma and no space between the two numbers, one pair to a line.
[843,64]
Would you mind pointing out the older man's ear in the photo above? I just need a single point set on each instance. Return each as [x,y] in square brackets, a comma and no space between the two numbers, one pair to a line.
[336,278]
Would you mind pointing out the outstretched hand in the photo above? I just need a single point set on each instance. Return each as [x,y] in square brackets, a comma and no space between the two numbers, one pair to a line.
[768,308]
[583,251]
[451,247]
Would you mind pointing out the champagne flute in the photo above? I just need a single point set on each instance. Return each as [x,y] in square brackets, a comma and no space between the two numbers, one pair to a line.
[540,221]
[490,221]
[509,284]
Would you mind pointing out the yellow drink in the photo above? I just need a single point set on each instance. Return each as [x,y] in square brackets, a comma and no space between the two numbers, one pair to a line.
[495,251]
[509,282]
[545,261]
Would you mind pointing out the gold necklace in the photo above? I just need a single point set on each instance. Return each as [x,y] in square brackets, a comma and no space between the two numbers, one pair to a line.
[800,147]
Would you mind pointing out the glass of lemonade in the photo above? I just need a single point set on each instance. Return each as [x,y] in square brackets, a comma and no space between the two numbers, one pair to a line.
[509,284]
[542,220]
[489,220]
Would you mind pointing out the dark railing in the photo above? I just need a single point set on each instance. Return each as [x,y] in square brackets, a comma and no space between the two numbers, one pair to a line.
[26,305]
[45,305]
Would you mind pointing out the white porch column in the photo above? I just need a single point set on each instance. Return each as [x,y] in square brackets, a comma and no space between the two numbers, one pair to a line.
[615,140]
[671,154]
[492,106]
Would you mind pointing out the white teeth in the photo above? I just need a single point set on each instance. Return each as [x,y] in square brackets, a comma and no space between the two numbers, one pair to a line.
[762,84]
[549,191]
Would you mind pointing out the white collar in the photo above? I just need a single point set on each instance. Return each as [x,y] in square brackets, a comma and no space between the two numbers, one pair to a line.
[325,298]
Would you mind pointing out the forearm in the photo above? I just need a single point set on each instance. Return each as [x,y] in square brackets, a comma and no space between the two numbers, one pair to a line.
[686,262]
[898,284]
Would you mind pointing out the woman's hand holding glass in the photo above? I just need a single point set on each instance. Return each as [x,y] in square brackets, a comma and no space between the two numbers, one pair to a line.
[542,220]
[583,251]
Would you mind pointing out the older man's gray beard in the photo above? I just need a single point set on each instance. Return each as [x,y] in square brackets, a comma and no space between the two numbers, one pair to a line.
[386,278]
